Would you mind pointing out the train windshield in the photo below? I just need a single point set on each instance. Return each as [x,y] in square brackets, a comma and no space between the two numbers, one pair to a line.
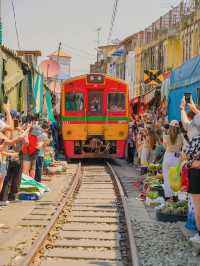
[74,102]
[116,102]
[95,102]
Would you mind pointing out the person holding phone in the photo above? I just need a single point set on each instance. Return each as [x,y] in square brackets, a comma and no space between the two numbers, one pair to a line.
[191,119]
[191,122]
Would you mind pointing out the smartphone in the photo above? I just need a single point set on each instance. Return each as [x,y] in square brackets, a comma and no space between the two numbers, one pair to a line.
[16,123]
[187,97]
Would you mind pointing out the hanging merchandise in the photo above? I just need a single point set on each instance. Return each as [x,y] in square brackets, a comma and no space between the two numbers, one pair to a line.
[50,114]
[38,93]
[20,97]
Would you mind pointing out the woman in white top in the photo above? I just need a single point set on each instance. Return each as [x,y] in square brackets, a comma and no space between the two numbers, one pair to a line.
[173,143]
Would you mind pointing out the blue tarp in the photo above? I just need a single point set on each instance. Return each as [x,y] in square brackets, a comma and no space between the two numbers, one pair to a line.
[119,52]
[185,78]
[186,74]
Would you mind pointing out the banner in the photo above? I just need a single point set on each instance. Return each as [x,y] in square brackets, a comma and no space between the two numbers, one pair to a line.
[38,93]
[50,114]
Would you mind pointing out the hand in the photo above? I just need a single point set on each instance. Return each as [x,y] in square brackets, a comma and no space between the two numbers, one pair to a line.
[15,156]
[183,156]
[2,147]
[183,103]
[192,106]
[196,164]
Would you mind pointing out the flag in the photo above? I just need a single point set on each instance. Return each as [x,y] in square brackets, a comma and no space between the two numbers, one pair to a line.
[50,114]
[38,93]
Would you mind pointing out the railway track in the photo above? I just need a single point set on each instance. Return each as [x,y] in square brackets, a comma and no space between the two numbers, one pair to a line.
[91,225]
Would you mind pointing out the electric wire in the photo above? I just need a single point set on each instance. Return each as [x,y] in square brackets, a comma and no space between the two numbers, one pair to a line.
[114,13]
[16,28]
[85,55]
[75,49]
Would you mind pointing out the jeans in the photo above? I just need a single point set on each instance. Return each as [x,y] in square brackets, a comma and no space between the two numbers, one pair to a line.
[12,181]
[131,152]
[55,136]
[39,168]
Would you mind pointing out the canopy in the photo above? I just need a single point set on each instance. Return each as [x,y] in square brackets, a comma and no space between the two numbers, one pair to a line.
[186,74]
[119,52]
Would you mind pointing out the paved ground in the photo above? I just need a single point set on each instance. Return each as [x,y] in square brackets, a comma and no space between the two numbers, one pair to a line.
[21,222]
[158,244]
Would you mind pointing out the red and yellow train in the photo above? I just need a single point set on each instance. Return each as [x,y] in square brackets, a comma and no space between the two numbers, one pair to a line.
[94,115]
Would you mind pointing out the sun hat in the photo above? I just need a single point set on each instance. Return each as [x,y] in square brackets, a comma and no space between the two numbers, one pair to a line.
[174,123]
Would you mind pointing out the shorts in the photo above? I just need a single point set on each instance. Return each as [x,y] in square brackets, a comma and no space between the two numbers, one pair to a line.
[28,157]
[194,181]
[3,169]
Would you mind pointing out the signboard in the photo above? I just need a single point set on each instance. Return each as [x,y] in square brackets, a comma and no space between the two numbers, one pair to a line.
[153,77]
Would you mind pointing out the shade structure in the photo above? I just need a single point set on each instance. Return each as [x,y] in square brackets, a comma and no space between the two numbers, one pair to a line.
[49,68]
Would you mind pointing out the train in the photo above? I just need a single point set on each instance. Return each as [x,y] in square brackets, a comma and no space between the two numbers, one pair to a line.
[94,116]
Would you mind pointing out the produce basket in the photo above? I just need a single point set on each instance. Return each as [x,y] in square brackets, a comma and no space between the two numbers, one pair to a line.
[165,217]
[172,212]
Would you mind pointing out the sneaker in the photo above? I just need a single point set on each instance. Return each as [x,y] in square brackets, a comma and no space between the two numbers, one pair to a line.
[196,238]
[4,203]
[14,200]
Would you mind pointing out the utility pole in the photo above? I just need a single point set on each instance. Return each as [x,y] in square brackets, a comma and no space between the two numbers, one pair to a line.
[58,59]
[98,30]
[1,41]
[59,48]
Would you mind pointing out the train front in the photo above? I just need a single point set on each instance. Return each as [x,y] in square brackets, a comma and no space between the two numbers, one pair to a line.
[94,114]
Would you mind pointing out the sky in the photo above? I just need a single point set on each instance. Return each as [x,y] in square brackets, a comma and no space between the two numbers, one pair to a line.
[42,24]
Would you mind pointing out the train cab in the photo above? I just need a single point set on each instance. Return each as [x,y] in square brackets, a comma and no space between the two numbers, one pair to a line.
[94,115]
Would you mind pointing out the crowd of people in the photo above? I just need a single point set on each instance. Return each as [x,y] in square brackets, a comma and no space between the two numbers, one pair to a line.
[152,139]
[24,142]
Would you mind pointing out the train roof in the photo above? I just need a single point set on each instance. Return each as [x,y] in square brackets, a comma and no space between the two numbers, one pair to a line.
[85,75]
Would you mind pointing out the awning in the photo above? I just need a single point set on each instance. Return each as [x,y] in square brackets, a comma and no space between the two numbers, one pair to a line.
[14,75]
[119,52]
[149,96]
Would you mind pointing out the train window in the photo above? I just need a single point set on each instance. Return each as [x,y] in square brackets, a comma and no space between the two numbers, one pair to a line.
[74,102]
[116,102]
[95,102]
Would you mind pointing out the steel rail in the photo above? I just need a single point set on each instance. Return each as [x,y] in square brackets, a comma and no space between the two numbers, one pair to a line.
[44,235]
[132,243]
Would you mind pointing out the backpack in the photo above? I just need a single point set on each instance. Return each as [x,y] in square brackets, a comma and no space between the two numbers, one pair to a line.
[30,147]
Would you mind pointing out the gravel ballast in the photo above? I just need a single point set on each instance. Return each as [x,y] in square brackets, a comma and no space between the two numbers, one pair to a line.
[158,243]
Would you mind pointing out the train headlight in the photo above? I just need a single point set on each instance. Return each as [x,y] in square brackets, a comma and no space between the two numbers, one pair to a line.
[68,132]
